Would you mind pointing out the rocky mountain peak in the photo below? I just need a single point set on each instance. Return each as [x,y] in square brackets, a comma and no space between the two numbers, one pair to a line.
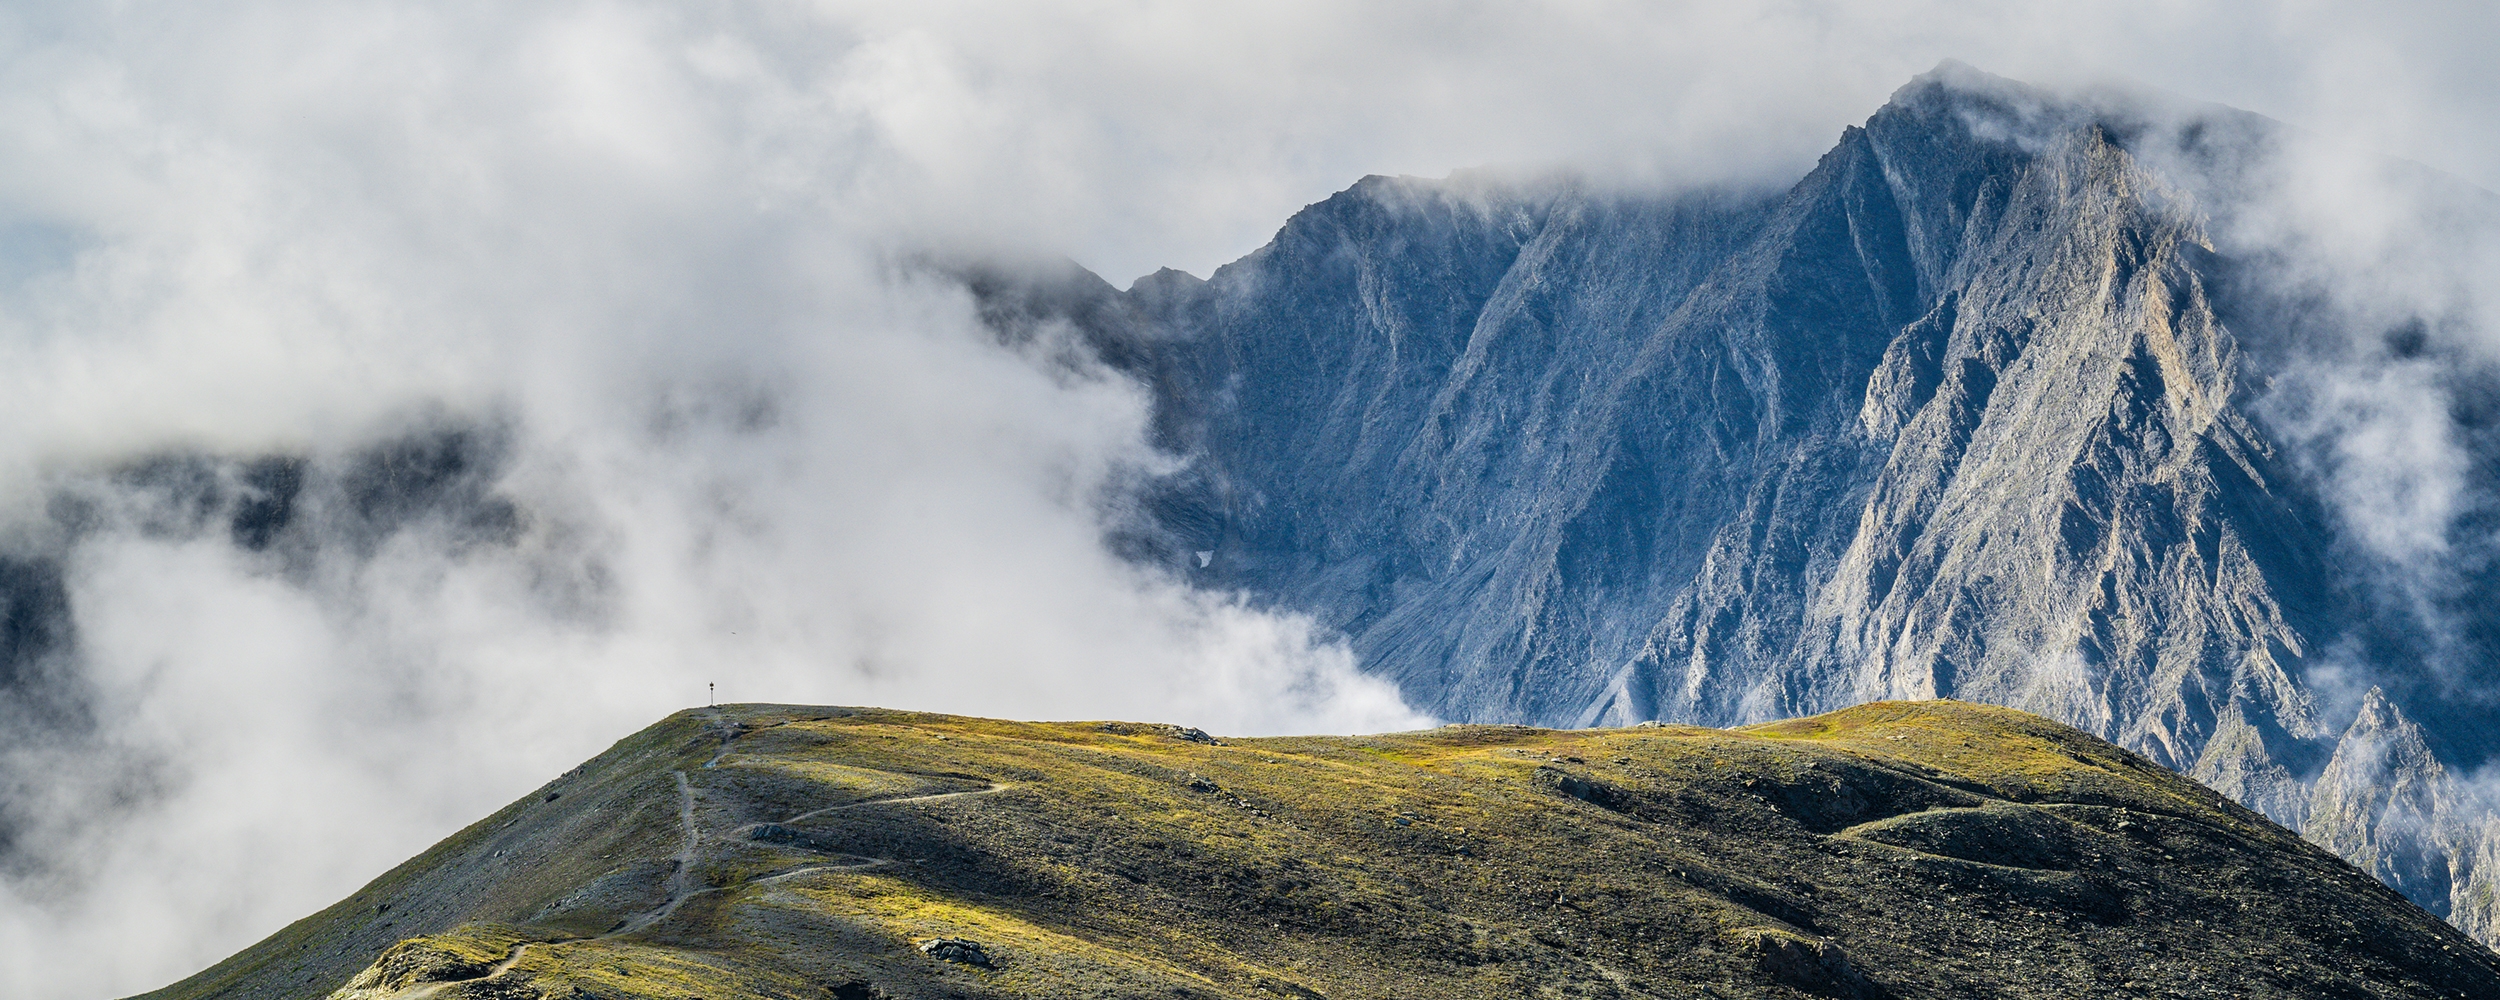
[2385,803]
[1976,408]
[2380,720]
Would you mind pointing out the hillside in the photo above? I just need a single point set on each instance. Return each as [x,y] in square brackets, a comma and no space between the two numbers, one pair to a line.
[1931,849]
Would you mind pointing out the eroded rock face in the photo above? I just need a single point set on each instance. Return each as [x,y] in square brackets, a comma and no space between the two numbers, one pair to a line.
[1978,409]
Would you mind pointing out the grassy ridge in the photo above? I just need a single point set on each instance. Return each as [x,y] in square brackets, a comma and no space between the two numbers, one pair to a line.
[1895,849]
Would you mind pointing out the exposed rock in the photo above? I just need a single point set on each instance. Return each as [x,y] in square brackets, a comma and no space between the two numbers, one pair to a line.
[963,951]
[1985,407]
[1190,734]
[2386,804]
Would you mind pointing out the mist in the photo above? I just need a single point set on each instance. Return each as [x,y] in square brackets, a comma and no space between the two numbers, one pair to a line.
[405,401]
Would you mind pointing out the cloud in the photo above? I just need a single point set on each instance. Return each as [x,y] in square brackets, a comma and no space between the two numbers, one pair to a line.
[2368,294]
[429,397]
[571,341]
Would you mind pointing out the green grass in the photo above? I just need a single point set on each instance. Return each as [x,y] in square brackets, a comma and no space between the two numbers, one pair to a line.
[1467,861]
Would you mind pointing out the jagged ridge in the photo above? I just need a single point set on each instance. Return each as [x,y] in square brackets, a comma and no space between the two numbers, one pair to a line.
[1958,414]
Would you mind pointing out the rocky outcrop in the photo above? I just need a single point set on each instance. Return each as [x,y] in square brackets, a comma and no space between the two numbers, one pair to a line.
[1976,409]
[2384,802]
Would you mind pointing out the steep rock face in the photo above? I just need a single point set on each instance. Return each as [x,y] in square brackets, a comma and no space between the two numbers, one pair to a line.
[1952,416]
[1957,415]
[2382,801]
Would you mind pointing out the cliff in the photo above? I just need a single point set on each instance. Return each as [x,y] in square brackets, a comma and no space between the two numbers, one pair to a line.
[1988,406]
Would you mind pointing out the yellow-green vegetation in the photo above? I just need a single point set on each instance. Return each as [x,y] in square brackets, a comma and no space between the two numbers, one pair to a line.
[1895,849]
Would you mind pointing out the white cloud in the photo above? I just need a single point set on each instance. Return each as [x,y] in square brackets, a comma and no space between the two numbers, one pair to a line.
[650,245]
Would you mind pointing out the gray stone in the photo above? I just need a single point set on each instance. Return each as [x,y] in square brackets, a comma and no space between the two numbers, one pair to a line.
[963,951]
[1986,406]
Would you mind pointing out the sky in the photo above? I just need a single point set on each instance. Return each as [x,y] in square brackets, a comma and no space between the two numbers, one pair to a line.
[638,273]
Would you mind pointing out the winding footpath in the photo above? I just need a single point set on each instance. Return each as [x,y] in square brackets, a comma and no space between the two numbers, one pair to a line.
[681,875]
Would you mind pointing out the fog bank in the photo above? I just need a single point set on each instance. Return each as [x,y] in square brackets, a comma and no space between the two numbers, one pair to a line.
[406,400]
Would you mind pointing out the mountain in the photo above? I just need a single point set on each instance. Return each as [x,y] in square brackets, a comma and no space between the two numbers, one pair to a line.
[1935,849]
[1993,404]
